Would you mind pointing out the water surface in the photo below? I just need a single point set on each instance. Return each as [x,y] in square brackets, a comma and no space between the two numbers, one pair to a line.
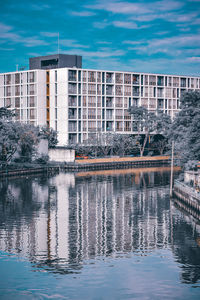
[97,235]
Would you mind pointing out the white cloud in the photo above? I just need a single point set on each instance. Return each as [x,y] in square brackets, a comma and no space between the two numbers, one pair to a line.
[172,46]
[128,25]
[162,32]
[167,5]
[123,7]
[194,59]
[4,28]
[164,65]
[83,13]
[103,42]
[6,35]
[119,7]
[101,25]
[108,53]
[49,34]
[133,42]
[33,42]
[39,6]
[72,44]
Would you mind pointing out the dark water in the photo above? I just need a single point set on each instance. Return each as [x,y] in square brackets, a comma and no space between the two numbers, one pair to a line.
[97,235]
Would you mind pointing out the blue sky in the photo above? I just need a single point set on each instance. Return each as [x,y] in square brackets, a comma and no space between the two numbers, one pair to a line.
[143,36]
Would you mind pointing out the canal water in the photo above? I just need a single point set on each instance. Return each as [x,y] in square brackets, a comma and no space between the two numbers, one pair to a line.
[97,235]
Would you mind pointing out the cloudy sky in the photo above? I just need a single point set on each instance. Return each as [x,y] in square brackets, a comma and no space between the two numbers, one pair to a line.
[143,36]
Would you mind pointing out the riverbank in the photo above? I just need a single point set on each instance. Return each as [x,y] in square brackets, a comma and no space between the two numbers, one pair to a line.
[108,163]
[29,171]
[187,195]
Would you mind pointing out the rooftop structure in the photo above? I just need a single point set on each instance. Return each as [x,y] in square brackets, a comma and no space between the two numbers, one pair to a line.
[55,61]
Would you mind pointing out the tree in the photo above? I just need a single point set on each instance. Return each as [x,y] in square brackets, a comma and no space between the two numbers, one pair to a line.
[185,130]
[51,136]
[21,138]
[148,123]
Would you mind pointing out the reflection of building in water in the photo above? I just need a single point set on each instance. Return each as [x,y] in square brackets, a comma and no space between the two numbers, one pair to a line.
[68,218]
[110,218]
[77,217]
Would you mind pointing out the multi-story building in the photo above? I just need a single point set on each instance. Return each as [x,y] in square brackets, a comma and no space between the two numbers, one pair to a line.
[81,102]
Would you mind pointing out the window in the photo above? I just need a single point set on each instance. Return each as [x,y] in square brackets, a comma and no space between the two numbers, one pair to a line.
[31,101]
[152,80]
[109,77]
[91,76]
[118,78]
[91,101]
[72,88]
[127,115]
[136,78]
[119,126]
[127,78]
[91,89]
[17,78]
[127,90]
[118,102]
[119,90]
[119,114]
[72,101]
[72,75]
[31,77]
[91,113]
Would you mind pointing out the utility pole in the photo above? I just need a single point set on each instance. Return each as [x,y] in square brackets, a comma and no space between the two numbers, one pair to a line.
[172,167]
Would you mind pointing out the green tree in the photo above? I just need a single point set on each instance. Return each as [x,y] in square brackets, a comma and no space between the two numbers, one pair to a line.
[51,136]
[185,130]
[146,124]
[21,138]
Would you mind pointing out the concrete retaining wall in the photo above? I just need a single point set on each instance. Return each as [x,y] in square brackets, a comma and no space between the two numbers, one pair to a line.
[60,154]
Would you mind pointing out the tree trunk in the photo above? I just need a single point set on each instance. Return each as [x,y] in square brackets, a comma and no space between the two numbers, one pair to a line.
[144,144]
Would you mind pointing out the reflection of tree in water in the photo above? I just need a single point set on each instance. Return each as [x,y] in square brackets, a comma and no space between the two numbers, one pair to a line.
[19,204]
[186,233]
[18,198]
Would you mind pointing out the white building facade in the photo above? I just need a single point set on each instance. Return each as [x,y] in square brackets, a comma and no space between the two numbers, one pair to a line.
[79,103]
[26,93]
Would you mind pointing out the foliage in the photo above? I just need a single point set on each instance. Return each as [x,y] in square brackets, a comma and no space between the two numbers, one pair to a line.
[51,136]
[16,137]
[43,159]
[185,130]
[104,144]
[148,123]
[5,113]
